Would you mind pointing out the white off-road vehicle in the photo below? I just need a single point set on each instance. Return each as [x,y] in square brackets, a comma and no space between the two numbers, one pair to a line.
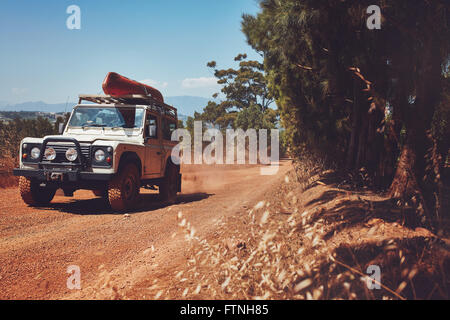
[111,145]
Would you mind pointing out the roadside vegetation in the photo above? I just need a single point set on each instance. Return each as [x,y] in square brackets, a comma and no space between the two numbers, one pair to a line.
[12,132]
[376,100]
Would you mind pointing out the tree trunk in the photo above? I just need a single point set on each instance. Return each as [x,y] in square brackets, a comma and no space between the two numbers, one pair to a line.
[351,151]
[405,182]
[366,139]
[411,169]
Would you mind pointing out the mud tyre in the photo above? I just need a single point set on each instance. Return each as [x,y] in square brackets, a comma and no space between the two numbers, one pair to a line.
[123,190]
[169,186]
[33,194]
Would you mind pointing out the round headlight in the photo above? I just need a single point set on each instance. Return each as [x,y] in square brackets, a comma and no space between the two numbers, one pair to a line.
[71,154]
[35,153]
[99,155]
[50,154]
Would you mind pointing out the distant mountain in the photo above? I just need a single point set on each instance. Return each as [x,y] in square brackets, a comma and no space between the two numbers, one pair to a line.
[38,106]
[186,105]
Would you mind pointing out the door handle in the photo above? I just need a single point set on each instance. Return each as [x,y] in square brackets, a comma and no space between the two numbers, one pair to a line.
[159,153]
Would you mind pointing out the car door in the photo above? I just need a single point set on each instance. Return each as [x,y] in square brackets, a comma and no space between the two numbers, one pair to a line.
[153,147]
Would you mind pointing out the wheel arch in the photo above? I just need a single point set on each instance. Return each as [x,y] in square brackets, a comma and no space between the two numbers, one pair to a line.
[130,157]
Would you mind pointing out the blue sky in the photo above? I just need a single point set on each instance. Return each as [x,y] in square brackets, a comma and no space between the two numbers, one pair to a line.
[165,42]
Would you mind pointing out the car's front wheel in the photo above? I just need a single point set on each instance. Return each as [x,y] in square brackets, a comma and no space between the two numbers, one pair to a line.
[33,194]
[123,190]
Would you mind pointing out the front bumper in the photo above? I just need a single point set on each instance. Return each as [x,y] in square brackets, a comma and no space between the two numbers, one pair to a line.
[62,175]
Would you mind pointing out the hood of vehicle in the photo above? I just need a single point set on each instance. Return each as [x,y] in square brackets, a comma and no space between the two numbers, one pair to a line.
[91,135]
[98,136]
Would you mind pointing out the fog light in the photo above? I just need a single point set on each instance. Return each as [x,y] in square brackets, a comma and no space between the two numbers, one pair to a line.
[71,154]
[50,154]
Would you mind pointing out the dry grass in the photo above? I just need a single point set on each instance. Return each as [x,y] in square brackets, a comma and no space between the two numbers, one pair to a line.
[299,249]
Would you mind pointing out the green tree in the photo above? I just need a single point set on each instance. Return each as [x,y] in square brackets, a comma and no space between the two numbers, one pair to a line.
[346,92]
[253,118]
[246,98]
[244,86]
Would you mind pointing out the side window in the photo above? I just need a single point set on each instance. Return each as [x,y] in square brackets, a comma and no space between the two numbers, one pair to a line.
[151,126]
[168,127]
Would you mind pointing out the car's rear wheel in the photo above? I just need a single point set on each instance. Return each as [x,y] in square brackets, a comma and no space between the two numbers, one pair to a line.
[169,186]
[123,190]
[33,194]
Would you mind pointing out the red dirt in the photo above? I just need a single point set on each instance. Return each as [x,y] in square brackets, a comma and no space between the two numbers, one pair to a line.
[38,244]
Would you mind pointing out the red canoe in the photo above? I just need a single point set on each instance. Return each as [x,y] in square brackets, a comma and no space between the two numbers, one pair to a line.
[117,85]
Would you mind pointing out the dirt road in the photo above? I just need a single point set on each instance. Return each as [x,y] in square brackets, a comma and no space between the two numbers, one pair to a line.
[37,245]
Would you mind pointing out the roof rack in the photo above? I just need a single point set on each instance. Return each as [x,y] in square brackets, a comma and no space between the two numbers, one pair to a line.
[131,99]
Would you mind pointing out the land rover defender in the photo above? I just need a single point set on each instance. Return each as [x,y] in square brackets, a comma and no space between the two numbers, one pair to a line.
[110,145]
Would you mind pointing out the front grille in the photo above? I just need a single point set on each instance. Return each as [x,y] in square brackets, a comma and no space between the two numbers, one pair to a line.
[61,152]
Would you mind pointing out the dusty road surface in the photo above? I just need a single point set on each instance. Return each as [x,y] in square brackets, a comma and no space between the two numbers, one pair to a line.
[37,245]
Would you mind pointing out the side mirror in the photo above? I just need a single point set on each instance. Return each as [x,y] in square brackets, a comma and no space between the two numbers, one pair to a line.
[61,128]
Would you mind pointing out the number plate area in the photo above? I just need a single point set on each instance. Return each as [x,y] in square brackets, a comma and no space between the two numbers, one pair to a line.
[55,176]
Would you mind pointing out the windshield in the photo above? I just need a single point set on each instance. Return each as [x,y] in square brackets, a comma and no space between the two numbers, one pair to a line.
[119,117]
